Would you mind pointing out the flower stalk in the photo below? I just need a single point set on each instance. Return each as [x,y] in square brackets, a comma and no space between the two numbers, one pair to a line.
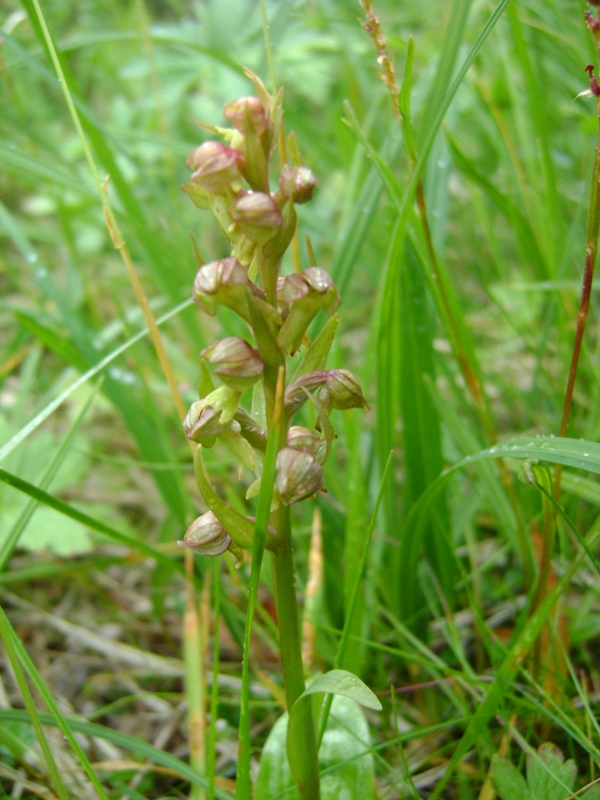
[232,179]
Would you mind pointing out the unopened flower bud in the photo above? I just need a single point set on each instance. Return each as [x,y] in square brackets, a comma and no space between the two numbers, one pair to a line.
[300,297]
[215,166]
[301,438]
[239,364]
[226,282]
[257,216]
[247,110]
[298,184]
[298,475]
[344,390]
[334,388]
[206,536]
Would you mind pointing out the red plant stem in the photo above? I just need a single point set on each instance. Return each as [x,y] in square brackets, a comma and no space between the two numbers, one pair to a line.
[591,252]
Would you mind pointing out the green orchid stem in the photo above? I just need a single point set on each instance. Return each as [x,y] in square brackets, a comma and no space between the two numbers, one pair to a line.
[290,645]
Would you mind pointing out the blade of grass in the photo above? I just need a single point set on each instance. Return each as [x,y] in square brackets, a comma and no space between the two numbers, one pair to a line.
[5,633]
[214,692]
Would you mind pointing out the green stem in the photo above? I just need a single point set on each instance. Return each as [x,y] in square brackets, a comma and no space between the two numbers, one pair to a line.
[290,645]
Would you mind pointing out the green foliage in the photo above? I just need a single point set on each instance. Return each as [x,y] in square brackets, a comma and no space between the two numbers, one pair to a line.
[548,776]
[344,756]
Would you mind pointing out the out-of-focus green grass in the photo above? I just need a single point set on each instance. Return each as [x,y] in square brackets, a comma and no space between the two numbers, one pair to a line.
[506,184]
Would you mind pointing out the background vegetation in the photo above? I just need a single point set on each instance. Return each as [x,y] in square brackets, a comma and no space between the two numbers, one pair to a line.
[97,483]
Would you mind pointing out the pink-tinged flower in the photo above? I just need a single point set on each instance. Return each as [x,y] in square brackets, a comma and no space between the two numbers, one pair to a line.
[298,184]
[298,475]
[224,282]
[239,365]
[203,422]
[301,438]
[334,388]
[300,296]
[246,114]
[206,536]
[257,215]
[215,166]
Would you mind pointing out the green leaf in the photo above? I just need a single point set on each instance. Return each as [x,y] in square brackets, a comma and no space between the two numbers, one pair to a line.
[338,682]
[315,358]
[342,682]
[548,774]
[508,781]
[346,765]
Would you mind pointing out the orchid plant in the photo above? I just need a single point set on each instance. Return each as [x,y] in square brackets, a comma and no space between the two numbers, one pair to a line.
[231,178]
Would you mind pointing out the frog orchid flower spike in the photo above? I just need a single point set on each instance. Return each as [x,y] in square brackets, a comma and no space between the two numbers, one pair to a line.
[300,297]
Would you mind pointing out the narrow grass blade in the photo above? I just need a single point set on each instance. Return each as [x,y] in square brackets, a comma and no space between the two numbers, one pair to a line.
[446,63]
[5,633]
[154,447]
[354,534]
[211,754]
